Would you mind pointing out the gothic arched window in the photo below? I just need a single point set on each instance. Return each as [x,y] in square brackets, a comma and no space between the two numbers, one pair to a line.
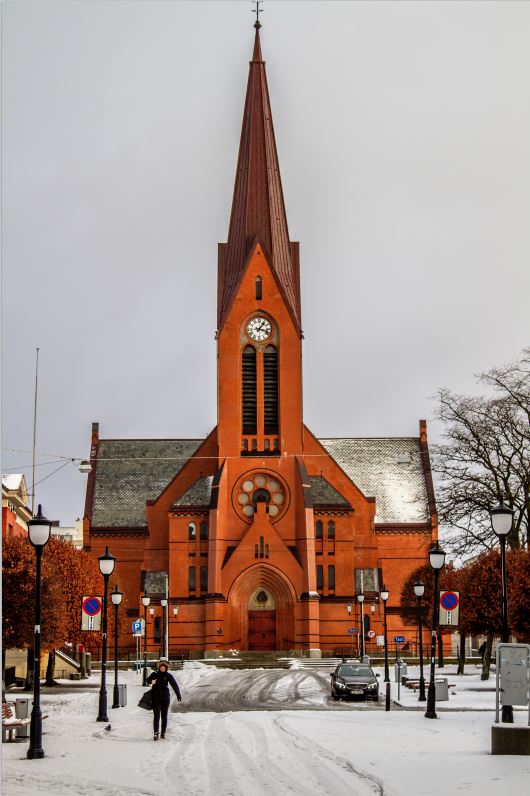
[319,529]
[192,531]
[270,390]
[249,409]
[204,578]
[191,579]
[331,577]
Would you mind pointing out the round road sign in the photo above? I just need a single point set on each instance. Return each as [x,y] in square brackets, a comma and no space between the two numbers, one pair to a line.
[91,606]
[371,634]
[449,600]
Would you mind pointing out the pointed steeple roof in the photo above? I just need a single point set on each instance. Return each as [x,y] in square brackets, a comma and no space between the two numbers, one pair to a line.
[258,210]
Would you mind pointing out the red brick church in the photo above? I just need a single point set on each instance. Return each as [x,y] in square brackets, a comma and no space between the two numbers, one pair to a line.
[263,532]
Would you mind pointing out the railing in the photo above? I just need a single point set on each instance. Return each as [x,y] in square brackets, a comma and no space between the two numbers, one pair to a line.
[153,653]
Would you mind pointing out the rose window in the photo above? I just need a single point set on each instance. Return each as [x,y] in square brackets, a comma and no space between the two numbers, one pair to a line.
[260,488]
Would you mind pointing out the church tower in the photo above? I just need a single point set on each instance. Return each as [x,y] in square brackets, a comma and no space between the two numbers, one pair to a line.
[258,311]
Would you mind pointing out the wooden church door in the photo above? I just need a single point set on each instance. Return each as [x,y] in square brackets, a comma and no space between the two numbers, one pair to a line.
[262,630]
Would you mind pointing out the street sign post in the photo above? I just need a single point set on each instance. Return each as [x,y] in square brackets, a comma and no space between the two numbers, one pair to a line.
[352,631]
[91,612]
[449,608]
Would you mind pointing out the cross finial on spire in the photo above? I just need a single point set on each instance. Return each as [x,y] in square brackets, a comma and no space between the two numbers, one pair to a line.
[257,8]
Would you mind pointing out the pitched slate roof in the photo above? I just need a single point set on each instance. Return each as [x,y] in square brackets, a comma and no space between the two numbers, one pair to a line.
[198,494]
[324,494]
[373,465]
[131,471]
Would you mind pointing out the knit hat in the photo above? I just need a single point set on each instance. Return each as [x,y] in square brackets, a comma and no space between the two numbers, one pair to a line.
[163,662]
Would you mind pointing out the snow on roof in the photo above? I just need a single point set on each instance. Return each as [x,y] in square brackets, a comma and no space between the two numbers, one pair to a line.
[389,469]
[12,481]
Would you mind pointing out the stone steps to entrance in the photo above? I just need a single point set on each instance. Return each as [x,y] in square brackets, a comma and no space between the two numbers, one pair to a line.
[270,660]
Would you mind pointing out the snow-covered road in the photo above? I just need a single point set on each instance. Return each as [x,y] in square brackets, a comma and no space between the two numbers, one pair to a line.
[250,752]
[223,690]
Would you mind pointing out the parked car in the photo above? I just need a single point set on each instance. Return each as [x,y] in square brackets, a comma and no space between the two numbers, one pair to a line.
[354,680]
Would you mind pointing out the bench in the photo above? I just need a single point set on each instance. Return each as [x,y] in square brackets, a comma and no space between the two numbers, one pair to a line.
[10,723]
[415,684]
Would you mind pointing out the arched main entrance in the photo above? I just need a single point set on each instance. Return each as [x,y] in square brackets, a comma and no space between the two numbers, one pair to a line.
[261,621]
[261,605]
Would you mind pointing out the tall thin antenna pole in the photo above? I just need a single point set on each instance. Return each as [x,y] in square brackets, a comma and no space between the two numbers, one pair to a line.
[34,436]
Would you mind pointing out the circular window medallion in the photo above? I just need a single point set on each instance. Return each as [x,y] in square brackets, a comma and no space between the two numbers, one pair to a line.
[261,597]
[260,487]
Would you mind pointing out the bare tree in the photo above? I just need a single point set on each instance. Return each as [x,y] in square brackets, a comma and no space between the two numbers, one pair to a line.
[485,456]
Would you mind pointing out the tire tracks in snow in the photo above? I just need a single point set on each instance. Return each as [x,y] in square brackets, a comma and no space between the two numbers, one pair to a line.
[318,752]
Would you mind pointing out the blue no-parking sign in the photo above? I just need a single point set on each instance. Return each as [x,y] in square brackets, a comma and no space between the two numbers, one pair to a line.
[91,612]
[449,608]
[352,630]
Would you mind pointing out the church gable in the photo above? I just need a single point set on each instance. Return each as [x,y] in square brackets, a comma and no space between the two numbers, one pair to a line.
[248,294]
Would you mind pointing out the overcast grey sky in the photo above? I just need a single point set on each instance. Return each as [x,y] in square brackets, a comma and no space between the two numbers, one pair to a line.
[403,132]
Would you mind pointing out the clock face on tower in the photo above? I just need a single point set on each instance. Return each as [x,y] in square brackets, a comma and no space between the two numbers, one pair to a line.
[259,328]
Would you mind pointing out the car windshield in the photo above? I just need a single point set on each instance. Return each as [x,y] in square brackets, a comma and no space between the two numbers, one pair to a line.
[355,671]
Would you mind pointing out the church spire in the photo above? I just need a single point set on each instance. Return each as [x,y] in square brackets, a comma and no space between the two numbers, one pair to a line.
[258,210]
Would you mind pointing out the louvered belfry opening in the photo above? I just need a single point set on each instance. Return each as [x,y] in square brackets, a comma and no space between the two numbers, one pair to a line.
[250,390]
[270,390]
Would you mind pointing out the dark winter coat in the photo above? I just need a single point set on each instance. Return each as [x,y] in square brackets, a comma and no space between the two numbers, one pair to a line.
[161,682]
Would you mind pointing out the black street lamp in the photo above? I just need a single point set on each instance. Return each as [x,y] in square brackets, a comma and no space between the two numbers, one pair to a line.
[502,522]
[419,591]
[116,596]
[163,603]
[39,529]
[437,560]
[384,594]
[106,567]
[360,600]
[145,602]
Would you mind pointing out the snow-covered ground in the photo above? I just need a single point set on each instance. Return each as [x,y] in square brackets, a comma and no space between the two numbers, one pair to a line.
[303,752]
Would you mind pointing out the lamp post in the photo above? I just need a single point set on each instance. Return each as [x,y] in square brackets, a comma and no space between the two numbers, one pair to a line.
[39,529]
[384,594]
[436,560]
[419,591]
[360,600]
[501,522]
[145,602]
[163,603]
[106,567]
[116,596]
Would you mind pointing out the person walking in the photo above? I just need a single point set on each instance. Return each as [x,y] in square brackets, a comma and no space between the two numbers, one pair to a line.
[160,682]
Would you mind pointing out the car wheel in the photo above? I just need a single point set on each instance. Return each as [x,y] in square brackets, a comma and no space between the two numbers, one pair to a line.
[334,696]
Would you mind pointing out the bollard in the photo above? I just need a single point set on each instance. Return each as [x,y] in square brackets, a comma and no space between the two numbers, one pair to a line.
[387,697]
[82,663]
[89,663]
